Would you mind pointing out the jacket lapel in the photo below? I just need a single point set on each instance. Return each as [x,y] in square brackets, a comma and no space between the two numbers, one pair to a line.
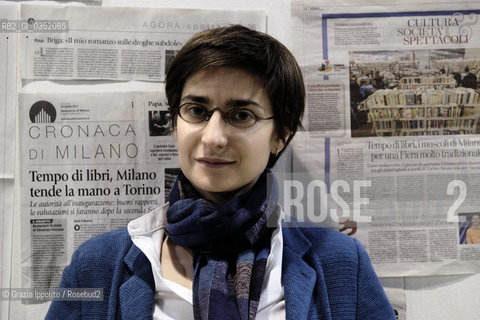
[301,275]
[136,293]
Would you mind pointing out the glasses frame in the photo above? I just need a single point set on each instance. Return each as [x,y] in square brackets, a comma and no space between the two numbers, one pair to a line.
[225,115]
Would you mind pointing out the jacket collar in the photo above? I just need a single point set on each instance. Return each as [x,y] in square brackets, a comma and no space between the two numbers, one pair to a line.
[136,294]
[302,273]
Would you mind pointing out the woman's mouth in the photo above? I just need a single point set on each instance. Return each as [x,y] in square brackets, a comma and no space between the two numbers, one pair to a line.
[214,162]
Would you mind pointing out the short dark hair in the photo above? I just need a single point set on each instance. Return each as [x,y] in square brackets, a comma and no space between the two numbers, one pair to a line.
[255,52]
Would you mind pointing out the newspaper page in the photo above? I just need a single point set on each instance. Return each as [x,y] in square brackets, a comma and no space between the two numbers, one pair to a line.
[92,160]
[417,201]
[398,163]
[8,87]
[68,42]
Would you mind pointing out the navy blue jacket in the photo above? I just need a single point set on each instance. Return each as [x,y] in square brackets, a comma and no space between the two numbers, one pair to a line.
[326,275]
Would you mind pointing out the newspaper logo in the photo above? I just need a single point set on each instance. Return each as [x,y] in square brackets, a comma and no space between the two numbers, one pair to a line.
[42,112]
[465,23]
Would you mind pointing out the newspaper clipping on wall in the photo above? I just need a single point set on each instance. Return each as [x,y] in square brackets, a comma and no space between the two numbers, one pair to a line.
[92,161]
[68,42]
[398,167]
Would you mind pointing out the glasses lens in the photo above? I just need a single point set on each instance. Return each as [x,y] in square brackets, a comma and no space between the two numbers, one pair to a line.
[236,117]
[241,118]
[193,113]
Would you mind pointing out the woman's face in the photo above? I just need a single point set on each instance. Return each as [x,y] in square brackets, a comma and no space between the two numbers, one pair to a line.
[476,221]
[220,160]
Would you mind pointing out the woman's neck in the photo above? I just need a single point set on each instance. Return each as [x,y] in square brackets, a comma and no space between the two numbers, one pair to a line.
[177,263]
[221,197]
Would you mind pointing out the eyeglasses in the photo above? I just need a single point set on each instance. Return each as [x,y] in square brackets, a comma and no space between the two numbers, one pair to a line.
[237,117]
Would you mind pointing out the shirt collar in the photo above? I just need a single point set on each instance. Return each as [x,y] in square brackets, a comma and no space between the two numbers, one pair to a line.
[147,233]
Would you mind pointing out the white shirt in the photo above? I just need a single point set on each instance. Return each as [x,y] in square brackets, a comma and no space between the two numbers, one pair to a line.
[173,301]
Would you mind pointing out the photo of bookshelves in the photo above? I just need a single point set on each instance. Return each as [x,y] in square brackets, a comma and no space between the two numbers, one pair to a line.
[414,92]
[424,112]
[439,82]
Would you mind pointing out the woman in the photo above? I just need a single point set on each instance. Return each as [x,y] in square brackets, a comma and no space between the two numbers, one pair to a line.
[218,249]
[473,232]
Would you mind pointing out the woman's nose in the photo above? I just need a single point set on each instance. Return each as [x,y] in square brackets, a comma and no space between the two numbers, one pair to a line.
[215,131]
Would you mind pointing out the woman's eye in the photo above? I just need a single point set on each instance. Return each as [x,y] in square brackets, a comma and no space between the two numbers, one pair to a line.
[242,115]
[196,111]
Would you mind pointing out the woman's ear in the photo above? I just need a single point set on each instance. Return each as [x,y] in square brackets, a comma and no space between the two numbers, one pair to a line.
[279,143]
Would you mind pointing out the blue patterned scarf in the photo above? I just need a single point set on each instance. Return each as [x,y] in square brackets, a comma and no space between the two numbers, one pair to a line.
[230,245]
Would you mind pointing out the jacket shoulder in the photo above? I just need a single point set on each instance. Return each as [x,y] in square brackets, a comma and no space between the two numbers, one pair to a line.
[97,263]
[105,245]
[324,242]
[344,272]
[327,238]
[98,258]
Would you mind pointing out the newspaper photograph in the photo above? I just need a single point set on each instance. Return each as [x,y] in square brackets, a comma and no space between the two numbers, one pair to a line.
[419,92]
[73,42]
[93,159]
[398,166]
